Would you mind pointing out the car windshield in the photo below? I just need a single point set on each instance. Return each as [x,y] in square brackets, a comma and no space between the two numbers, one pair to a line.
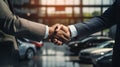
[105,44]
[23,39]
[86,39]
[94,39]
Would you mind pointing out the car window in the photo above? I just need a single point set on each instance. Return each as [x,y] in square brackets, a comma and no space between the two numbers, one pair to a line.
[109,45]
[106,44]
[94,42]
[23,39]
[101,44]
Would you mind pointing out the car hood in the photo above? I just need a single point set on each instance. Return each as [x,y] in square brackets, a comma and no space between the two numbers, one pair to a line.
[74,42]
[95,50]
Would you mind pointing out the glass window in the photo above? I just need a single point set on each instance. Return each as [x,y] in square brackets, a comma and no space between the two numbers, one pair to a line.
[43,2]
[107,2]
[60,2]
[85,19]
[50,2]
[77,10]
[76,2]
[85,2]
[33,11]
[97,2]
[69,2]
[89,12]
[42,11]
[50,10]
[91,2]
[68,10]
[72,21]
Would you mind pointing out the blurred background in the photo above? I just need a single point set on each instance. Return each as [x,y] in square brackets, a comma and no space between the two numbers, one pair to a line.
[67,12]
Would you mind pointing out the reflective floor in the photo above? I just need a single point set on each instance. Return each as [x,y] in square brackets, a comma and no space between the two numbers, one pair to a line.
[51,55]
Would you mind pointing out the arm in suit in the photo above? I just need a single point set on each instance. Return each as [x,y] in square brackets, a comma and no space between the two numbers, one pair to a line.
[11,24]
[106,20]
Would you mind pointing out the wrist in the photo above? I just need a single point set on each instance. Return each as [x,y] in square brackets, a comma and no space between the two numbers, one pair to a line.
[50,31]
[47,32]
[73,31]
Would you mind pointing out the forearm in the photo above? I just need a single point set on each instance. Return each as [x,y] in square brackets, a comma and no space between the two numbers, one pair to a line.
[23,28]
[92,26]
[106,20]
[30,29]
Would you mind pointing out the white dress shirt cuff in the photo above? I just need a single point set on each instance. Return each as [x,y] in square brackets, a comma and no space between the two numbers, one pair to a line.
[73,31]
[46,32]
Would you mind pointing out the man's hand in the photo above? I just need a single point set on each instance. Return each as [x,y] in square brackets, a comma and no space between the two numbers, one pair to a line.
[53,28]
[52,31]
[63,33]
[59,34]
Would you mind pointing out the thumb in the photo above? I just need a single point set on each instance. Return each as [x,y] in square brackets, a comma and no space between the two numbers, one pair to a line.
[58,27]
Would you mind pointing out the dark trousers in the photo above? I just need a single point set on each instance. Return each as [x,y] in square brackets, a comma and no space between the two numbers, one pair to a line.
[8,55]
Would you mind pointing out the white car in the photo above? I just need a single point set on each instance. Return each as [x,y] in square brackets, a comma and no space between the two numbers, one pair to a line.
[26,50]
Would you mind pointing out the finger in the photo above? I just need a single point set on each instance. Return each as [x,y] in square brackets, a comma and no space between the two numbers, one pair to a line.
[49,40]
[63,38]
[66,35]
[65,29]
[55,41]
[58,27]
[59,42]
[67,32]
[52,39]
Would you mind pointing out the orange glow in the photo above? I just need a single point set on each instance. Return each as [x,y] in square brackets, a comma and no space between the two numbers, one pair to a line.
[60,9]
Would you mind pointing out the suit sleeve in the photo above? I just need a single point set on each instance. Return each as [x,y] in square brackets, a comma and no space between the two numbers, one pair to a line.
[106,20]
[13,25]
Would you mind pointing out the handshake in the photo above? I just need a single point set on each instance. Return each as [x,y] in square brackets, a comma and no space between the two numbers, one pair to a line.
[59,34]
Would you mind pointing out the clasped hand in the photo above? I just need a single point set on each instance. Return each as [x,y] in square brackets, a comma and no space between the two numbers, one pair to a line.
[59,34]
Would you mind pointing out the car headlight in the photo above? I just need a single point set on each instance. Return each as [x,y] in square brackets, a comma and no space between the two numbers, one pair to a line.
[102,53]
[76,45]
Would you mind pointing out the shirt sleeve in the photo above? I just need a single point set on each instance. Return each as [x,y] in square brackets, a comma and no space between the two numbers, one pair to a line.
[73,31]
[46,32]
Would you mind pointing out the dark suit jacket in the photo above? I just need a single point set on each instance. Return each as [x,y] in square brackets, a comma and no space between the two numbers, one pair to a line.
[110,17]
[12,26]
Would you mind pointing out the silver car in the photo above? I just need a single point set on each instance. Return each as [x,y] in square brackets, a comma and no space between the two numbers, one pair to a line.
[87,55]
[26,50]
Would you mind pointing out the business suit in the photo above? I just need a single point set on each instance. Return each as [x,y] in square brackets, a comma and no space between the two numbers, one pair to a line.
[110,17]
[12,26]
